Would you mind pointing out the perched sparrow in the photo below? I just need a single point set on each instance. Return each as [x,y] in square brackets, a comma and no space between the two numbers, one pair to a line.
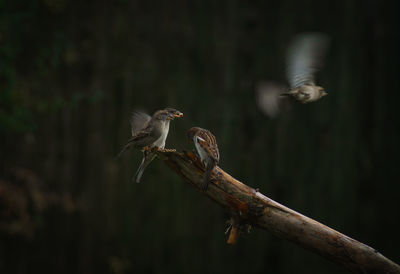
[149,132]
[207,148]
[304,59]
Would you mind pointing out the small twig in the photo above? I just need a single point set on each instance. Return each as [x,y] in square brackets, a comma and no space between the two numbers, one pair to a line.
[235,230]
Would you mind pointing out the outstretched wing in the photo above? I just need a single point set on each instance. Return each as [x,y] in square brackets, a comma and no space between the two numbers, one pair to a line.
[305,58]
[139,121]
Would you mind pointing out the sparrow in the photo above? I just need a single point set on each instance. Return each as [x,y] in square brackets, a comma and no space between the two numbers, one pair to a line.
[207,148]
[304,58]
[149,132]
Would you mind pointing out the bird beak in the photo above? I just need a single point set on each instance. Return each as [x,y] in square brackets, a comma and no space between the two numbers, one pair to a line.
[178,114]
[324,93]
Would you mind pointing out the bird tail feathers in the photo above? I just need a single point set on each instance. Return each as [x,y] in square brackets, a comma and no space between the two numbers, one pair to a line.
[207,175]
[125,148]
[147,158]
[286,94]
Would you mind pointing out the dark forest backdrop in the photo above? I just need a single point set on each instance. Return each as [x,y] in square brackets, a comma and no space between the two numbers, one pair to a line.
[72,72]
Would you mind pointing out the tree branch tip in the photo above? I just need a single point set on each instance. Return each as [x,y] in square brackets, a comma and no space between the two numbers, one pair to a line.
[233,235]
[249,207]
[236,229]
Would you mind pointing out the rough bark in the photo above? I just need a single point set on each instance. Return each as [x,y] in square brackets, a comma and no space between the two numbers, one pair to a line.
[247,207]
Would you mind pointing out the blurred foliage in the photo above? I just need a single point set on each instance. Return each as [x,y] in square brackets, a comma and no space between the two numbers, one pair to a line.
[23,203]
[71,73]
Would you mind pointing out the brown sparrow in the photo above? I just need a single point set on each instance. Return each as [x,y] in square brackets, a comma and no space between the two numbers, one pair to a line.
[149,132]
[207,148]
[304,59]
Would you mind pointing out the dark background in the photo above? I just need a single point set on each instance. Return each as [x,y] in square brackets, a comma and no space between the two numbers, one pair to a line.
[71,72]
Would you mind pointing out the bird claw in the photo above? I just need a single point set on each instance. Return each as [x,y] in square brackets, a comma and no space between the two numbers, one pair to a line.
[150,148]
[166,150]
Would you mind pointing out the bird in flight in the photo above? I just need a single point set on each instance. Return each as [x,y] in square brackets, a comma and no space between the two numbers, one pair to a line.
[304,59]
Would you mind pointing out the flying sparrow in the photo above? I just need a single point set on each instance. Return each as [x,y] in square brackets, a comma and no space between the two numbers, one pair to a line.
[304,59]
[149,132]
[207,148]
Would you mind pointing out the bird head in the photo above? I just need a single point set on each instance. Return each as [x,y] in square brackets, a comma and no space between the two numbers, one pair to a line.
[161,115]
[192,132]
[173,113]
[168,114]
[322,91]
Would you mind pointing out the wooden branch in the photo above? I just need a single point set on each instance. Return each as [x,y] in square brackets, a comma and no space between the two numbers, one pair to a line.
[247,207]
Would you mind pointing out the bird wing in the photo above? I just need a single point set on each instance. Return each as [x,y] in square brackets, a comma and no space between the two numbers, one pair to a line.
[146,137]
[269,99]
[305,57]
[208,143]
[139,121]
[142,138]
